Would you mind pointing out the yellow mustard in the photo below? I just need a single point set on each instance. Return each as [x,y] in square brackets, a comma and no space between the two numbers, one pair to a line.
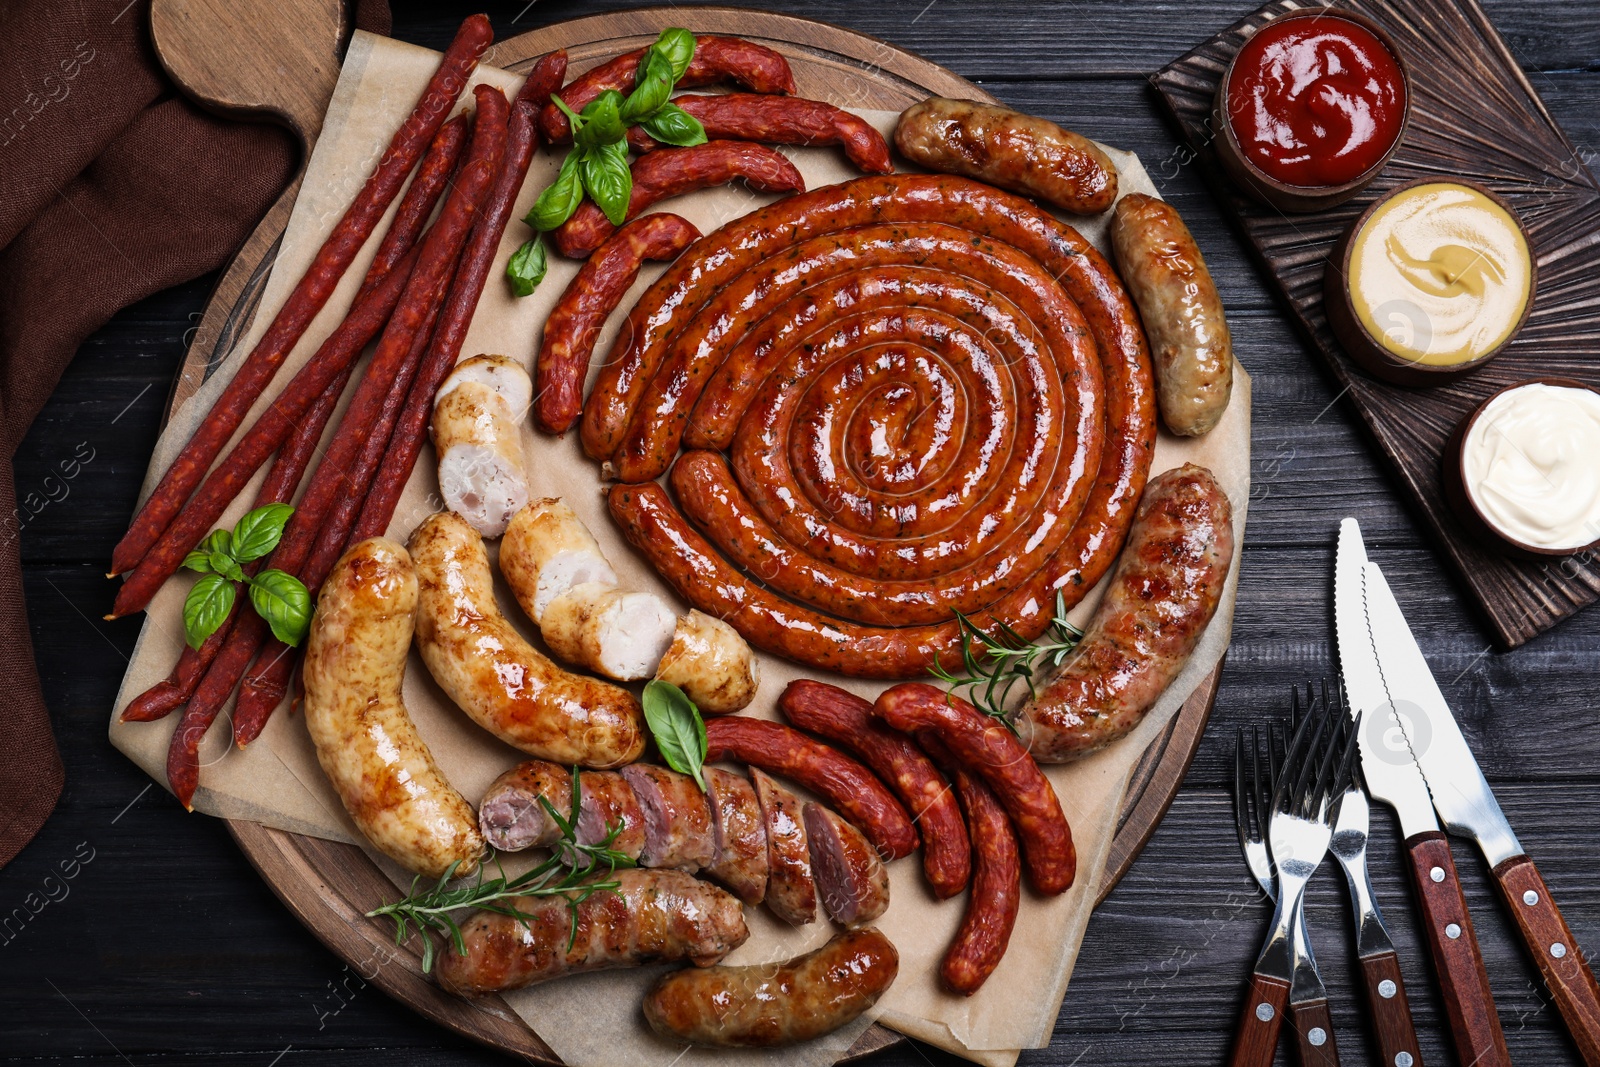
[1440,274]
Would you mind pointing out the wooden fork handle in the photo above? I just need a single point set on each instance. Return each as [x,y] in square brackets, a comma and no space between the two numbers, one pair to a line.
[1391,1011]
[1255,1041]
[1313,1033]
[1555,950]
[1463,980]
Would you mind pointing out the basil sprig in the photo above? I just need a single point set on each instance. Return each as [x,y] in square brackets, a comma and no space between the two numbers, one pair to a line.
[278,597]
[597,163]
[677,727]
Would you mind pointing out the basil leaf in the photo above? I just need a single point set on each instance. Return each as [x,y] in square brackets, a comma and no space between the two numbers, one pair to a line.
[655,85]
[675,126]
[561,105]
[677,727]
[561,197]
[602,121]
[282,600]
[608,181]
[226,566]
[677,46]
[259,532]
[198,561]
[206,608]
[527,266]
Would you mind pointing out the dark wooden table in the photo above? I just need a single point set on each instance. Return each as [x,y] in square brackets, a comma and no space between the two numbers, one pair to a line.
[144,937]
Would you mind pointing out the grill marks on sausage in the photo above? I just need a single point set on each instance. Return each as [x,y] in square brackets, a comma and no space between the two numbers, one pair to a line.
[791,888]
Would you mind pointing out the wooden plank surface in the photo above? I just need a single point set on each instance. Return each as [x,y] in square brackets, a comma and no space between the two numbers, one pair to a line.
[103,975]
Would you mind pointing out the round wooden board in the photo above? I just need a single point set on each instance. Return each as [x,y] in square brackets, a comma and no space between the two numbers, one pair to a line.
[331,886]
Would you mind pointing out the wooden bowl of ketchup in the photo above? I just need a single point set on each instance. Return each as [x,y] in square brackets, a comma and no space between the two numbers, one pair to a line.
[1305,143]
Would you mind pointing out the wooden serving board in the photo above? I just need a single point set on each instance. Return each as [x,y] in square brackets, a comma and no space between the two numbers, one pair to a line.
[1474,115]
[330,886]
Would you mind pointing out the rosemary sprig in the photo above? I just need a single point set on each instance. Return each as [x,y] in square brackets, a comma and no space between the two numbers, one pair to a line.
[993,663]
[573,870]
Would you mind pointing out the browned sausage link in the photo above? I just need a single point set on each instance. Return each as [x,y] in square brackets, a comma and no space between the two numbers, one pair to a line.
[986,747]
[845,784]
[770,1005]
[716,59]
[1182,312]
[1007,148]
[675,171]
[996,880]
[651,917]
[1162,595]
[591,297]
[846,719]
[310,293]
[851,877]
[781,120]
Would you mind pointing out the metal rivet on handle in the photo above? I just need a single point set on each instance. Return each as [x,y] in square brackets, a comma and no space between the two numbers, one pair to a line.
[1530,898]
[1387,989]
[1558,950]
[1402,1059]
[1264,1012]
[1317,1036]
[1437,874]
[1452,931]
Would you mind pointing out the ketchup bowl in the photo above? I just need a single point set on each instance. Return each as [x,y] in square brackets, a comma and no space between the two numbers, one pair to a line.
[1304,143]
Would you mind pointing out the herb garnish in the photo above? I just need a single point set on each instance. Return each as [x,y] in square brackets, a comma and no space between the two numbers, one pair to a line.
[678,728]
[994,663]
[574,871]
[278,597]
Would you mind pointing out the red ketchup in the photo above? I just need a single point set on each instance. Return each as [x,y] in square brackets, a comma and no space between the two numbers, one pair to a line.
[1315,101]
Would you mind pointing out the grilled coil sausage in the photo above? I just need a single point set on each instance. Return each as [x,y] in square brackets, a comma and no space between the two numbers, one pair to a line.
[985,747]
[846,720]
[824,770]
[1162,595]
[996,894]
[496,677]
[1182,312]
[651,917]
[770,1005]
[365,740]
[781,120]
[791,888]
[1007,148]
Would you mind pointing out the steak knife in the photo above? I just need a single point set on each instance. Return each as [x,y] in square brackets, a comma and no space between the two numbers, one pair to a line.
[1468,808]
[1394,777]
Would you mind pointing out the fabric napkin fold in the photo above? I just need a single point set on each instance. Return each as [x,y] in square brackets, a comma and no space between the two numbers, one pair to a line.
[113,186]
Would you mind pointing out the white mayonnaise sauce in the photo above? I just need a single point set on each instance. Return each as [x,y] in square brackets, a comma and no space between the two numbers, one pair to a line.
[1531,463]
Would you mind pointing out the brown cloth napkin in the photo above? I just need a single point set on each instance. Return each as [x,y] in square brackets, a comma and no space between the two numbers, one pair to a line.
[112,187]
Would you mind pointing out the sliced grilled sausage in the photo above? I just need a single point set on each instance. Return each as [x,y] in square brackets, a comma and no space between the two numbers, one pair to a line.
[677,818]
[512,818]
[769,1005]
[711,663]
[853,880]
[791,888]
[652,917]
[740,861]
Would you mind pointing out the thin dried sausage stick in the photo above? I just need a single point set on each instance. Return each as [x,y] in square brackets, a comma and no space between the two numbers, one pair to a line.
[574,323]
[716,59]
[674,171]
[987,748]
[309,294]
[996,881]
[465,290]
[434,174]
[781,120]
[846,719]
[436,256]
[845,784]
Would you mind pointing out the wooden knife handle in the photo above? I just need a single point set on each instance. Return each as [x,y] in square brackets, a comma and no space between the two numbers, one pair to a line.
[1556,952]
[1474,1023]
[1255,1041]
[1391,1011]
[1313,1033]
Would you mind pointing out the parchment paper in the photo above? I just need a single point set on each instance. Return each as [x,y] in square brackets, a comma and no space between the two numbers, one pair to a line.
[595,1019]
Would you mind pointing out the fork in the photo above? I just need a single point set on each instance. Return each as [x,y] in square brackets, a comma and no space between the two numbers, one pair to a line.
[1315,768]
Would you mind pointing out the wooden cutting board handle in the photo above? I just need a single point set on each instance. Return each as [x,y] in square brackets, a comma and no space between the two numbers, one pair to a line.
[276,63]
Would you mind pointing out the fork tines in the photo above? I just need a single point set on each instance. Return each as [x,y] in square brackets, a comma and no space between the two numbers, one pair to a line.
[1321,751]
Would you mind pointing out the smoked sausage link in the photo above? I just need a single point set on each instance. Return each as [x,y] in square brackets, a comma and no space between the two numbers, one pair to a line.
[781,120]
[1162,595]
[769,1005]
[984,746]
[845,784]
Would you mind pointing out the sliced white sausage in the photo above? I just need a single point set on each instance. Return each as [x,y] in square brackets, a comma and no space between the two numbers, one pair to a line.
[618,634]
[482,475]
[546,551]
[711,663]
